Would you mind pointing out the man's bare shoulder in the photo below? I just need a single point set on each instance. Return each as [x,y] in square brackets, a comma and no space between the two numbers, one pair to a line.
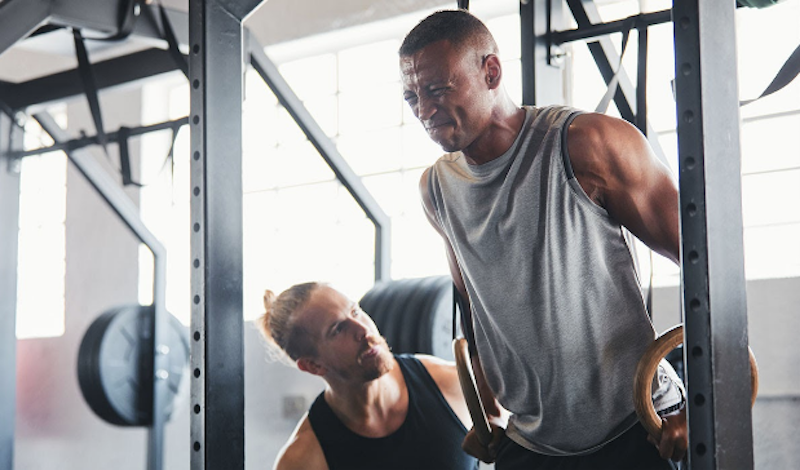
[302,451]
[435,362]
[427,202]
[423,182]
[445,375]
[443,372]
[593,138]
[604,152]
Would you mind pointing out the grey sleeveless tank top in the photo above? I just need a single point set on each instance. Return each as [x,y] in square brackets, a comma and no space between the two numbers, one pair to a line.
[557,309]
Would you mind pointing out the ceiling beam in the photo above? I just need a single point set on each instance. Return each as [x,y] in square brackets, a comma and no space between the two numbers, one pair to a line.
[109,73]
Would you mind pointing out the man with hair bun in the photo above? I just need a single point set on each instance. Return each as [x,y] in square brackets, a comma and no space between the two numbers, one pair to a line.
[379,411]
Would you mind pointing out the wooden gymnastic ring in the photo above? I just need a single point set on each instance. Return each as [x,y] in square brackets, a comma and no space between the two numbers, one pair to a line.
[646,369]
[466,378]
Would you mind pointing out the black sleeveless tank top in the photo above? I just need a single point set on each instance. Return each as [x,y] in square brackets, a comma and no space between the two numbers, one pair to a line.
[429,439]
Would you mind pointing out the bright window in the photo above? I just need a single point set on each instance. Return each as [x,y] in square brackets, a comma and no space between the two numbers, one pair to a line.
[41,265]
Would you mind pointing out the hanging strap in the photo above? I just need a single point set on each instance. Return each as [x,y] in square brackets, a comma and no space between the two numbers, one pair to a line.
[124,157]
[172,41]
[463,4]
[170,154]
[614,82]
[461,304]
[455,311]
[127,20]
[90,87]
[787,73]
[641,81]
[170,158]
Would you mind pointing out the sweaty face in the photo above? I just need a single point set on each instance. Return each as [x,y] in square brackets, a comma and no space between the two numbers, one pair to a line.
[448,93]
[349,345]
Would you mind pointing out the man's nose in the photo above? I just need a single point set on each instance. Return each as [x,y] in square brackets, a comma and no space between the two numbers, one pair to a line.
[359,331]
[425,109]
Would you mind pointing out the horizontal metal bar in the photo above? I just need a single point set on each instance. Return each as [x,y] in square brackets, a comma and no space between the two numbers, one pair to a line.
[108,73]
[642,20]
[82,142]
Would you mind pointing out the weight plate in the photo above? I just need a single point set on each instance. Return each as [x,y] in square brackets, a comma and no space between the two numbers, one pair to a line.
[415,315]
[115,362]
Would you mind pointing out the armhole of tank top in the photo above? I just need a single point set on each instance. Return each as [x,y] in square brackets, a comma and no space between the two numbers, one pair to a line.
[432,198]
[564,148]
[316,411]
[426,377]
[571,180]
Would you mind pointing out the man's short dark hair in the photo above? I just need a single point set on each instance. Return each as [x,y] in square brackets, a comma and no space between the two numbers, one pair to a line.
[457,26]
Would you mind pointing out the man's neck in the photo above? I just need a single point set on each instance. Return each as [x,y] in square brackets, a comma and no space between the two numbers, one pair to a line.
[373,409]
[505,125]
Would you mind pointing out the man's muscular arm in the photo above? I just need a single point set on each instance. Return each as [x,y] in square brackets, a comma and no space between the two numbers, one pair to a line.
[302,451]
[617,169]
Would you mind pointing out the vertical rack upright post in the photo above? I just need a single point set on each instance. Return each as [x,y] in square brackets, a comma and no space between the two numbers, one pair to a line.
[712,248]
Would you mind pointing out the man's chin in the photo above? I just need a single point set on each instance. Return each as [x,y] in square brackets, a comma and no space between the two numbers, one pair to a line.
[445,140]
[449,147]
[382,364]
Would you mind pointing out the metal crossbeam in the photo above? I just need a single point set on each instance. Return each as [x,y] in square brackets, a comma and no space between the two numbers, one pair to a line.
[594,30]
[108,73]
[75,144]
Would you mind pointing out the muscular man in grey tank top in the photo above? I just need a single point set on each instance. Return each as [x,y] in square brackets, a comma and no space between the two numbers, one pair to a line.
[532,204]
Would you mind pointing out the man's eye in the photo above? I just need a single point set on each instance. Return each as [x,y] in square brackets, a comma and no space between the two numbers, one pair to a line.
[411,99]
[438,91]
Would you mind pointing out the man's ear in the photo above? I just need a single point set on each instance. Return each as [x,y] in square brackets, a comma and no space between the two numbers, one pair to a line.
[494,71]
[309,365]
